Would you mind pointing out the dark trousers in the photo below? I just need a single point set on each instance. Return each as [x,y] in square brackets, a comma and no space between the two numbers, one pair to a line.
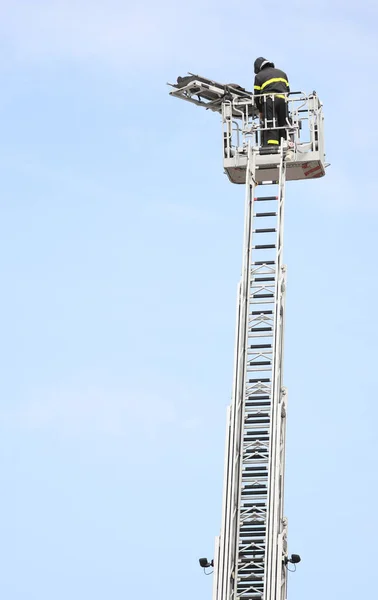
[276,109]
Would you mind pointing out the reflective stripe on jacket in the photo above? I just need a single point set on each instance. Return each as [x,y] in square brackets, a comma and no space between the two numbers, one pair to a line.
[271,80]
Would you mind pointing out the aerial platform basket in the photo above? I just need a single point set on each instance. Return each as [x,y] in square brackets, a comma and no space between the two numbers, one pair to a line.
[242,126]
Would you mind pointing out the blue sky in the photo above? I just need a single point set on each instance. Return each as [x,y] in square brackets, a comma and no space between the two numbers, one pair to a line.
[120,251]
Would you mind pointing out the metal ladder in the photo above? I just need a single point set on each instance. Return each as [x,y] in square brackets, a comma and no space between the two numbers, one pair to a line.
[250,554]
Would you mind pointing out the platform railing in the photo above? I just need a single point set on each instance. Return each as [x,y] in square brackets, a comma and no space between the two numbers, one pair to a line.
[304,124]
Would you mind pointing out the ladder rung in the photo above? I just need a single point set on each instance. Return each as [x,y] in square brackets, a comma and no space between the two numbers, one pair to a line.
[268,230]
[250,554]
[249,451]
[255,296]
[262,312]
[261,346]
[266,214]
[250,439]
[255,329]
[254,490]
[260,541]
[255,487]
[253,335]
[261,469]
[254,403]
[259,279]
[256,400]
[263,247]
[259,363]
[255,469]
[265,198]
[263,432]
[246,560]
[258,263]
[258,334]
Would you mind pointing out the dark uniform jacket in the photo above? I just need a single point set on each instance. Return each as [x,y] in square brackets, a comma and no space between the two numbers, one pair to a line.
[270,80]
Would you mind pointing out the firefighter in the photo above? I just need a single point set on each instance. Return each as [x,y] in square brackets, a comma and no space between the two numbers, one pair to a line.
[269,80]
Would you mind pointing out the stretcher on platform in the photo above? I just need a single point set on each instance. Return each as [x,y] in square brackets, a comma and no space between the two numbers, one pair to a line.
[211,94]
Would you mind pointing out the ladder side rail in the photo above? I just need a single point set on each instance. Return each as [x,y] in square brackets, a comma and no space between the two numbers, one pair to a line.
[281,591]
[221,541]
[243,357]
[217,570]
[281,570]
[281,573]
[281,576]
[228,492]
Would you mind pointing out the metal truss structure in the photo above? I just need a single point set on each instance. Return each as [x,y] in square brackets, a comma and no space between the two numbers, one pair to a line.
[250,561]
[251,551]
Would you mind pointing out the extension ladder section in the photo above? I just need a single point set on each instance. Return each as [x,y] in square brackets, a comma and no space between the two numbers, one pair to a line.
[251,550]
